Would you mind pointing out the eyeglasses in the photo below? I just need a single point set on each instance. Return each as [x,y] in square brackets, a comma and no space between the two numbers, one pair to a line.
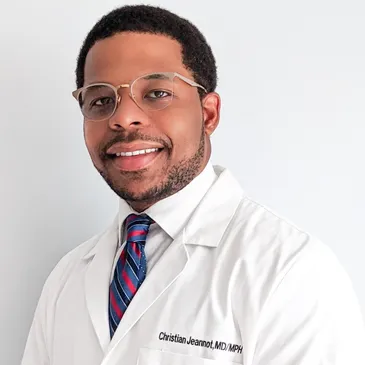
[150,92]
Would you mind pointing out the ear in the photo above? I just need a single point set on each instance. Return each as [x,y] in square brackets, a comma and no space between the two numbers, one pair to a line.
[211,104]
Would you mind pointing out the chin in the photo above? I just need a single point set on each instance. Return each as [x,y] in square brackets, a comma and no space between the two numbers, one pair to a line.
[137,194]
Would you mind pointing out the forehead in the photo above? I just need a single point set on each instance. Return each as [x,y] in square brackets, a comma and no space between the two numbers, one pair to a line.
[125,56]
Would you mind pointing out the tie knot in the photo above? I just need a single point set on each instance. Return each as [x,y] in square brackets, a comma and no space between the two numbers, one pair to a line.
[138,227]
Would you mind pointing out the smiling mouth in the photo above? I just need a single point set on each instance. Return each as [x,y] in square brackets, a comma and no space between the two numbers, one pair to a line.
[135,160]
[137,152]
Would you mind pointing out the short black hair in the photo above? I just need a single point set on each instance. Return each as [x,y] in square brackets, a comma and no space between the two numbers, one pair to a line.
[197,55]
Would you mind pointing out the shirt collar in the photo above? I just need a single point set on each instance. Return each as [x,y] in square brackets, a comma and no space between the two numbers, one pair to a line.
[173,212]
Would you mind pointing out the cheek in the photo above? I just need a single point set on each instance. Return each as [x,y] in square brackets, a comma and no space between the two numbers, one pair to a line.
[184,128]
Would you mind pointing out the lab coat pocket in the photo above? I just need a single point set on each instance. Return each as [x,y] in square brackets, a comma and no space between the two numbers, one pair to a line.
[157,357]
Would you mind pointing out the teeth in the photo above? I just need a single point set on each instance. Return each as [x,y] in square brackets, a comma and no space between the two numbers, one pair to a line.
[139,152]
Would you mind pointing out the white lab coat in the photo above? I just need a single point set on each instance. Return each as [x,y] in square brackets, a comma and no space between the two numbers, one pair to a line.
[239,285]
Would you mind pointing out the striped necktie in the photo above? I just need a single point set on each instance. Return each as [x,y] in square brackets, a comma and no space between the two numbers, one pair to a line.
[130,270]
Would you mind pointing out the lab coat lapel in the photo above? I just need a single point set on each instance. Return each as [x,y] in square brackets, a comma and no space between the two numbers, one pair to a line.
[97,281]
[163,274]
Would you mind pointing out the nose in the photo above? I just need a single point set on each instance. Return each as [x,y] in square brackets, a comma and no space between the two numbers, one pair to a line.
[128,114]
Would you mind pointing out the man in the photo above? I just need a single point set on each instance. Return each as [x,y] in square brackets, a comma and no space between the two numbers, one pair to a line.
[191,271]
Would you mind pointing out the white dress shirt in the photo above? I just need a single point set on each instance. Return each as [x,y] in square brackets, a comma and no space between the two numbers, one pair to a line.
[170,215]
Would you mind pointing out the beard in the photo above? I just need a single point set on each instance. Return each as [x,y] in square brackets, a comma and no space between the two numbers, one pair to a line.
[177,177]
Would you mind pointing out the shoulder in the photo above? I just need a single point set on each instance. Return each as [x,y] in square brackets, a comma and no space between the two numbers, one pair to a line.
[283,267]
[271,249]
[260,226]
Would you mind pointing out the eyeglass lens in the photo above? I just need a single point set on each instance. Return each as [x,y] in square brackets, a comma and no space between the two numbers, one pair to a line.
[151,92]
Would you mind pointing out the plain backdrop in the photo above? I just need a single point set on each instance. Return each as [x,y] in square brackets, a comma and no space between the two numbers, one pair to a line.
[291,77]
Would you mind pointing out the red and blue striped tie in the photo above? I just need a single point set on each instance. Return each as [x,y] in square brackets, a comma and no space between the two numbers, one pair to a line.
[130,270]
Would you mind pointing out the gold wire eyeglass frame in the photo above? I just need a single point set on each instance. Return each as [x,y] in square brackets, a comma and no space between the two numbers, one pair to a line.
[170,75]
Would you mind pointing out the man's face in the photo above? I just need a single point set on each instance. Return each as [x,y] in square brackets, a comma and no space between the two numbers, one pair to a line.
[180,132]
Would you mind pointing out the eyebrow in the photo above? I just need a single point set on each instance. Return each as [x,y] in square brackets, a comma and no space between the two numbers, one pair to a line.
[96,85]
[156,76]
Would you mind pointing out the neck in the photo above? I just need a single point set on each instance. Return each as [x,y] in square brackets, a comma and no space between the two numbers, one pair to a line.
[140,205]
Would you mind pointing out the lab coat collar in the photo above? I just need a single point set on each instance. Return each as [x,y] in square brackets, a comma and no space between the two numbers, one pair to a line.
[173,212]
[214,213]
[215,190]
[205,227]
[103,240]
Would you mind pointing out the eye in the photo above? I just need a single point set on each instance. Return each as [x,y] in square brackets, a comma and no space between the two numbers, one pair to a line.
[158,94]
[102,101]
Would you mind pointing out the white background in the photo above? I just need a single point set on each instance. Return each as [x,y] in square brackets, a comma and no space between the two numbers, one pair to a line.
[292,130]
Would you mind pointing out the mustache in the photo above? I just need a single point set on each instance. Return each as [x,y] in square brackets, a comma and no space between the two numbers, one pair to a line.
[129,138]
